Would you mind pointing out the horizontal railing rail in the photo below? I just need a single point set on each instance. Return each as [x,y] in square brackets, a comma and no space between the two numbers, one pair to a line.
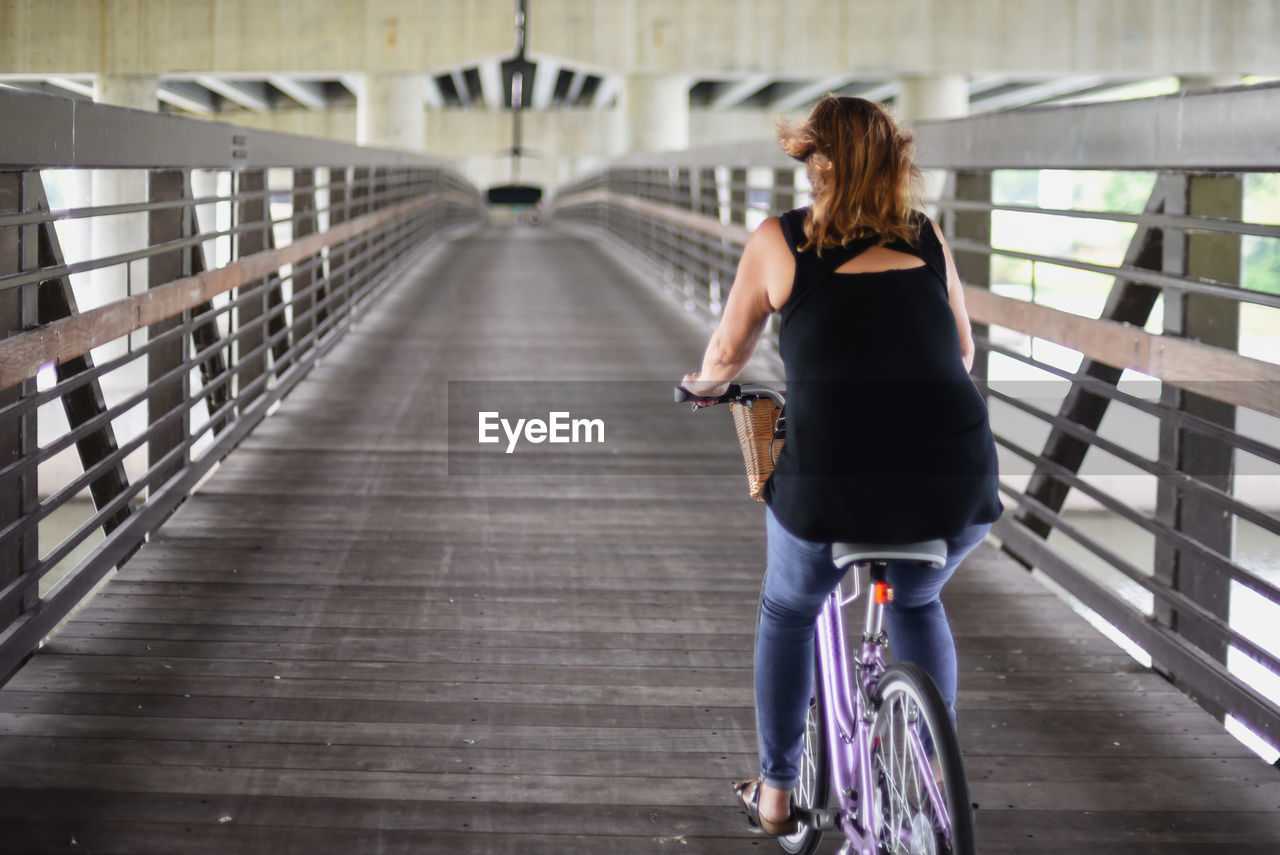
[215,266]
[1189,452]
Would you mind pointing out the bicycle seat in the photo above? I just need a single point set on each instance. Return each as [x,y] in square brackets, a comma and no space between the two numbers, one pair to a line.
[927,553]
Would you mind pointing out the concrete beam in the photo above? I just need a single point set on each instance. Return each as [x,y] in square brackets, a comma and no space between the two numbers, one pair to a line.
[308,93]
[575,88]
[812,92]
[544,83]
[491,84]
[461,87]
[737,92]
[187,96]
[1036,93]
[83,88]
[607,91]
[431,93]
[986,82]
[248,94]
[883,92]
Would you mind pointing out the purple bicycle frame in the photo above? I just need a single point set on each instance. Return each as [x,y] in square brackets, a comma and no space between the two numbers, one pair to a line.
[848,721]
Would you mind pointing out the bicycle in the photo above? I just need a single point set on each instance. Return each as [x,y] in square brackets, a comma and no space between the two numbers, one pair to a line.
[882,763]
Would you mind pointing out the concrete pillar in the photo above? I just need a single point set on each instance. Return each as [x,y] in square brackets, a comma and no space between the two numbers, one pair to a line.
[929,97]
[391,112]
[119,234]
[135,91]
[933,96]
[653,114]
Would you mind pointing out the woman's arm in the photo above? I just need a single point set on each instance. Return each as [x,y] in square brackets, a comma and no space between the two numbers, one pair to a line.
[955,296]
[760,287]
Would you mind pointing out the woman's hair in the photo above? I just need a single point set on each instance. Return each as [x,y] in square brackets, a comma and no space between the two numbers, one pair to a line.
[861,169]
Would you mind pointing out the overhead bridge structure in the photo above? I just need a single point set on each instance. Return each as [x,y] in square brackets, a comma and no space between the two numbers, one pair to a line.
[288,566]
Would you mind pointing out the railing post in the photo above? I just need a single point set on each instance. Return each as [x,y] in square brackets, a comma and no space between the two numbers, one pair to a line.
[784,190]
[738,197]
[18,437]
[339,255]
[250,331]
[974,267]
[379,244]
[686,243]
[708,205]
[304,272]
[360,178]
[163,397]
[1216,321]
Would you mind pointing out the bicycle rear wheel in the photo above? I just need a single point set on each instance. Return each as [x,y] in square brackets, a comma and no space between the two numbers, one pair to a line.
[913,741]
[814,788]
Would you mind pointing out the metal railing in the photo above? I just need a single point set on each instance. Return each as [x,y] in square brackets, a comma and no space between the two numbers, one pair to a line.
[225,262]
[1191,421]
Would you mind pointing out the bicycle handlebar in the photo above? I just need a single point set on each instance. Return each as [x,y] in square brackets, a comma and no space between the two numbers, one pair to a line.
[743,393]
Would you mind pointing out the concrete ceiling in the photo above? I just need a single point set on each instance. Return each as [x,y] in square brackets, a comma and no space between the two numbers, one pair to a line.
[549,84]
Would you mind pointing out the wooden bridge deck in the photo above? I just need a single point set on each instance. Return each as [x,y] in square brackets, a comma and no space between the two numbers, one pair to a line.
[343,645]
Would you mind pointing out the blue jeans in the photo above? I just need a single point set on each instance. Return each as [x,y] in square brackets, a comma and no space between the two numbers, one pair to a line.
[799,576]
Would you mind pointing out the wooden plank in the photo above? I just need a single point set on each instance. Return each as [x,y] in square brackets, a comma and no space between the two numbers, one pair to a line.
[1003,745]
[55,666]
[415,649]
[410,649]
[980,686]
[456,711]
[227,837]
[1209,371]
[388,814]
[627,686]
[582,790]
[442,760]
[616,629]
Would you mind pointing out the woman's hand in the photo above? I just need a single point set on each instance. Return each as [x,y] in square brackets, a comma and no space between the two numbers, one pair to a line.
[694,383]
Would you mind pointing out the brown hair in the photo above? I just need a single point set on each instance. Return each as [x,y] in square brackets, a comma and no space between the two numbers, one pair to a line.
[862,171]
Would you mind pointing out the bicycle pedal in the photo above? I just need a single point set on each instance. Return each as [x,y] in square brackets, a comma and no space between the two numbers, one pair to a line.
[816,818]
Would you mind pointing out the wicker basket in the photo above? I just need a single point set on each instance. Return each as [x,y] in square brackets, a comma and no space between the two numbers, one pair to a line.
[760,447]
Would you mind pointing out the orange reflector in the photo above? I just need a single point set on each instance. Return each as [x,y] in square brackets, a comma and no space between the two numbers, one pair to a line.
[883,593]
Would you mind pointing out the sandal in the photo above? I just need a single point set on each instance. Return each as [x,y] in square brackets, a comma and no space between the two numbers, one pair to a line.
[752,804]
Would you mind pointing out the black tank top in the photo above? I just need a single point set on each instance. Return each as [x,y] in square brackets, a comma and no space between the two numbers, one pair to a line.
[887,437]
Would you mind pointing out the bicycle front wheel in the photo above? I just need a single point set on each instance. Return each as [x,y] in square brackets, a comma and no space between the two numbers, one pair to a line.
[921,793]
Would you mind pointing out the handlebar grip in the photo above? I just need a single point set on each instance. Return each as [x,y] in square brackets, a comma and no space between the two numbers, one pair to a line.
[683,395]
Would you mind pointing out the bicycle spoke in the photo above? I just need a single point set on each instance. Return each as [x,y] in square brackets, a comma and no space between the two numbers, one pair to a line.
[912,820]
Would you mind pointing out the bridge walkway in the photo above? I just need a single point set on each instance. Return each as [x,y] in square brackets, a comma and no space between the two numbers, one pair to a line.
[357,638]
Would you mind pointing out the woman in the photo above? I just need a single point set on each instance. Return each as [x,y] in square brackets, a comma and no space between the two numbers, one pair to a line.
[887,438]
